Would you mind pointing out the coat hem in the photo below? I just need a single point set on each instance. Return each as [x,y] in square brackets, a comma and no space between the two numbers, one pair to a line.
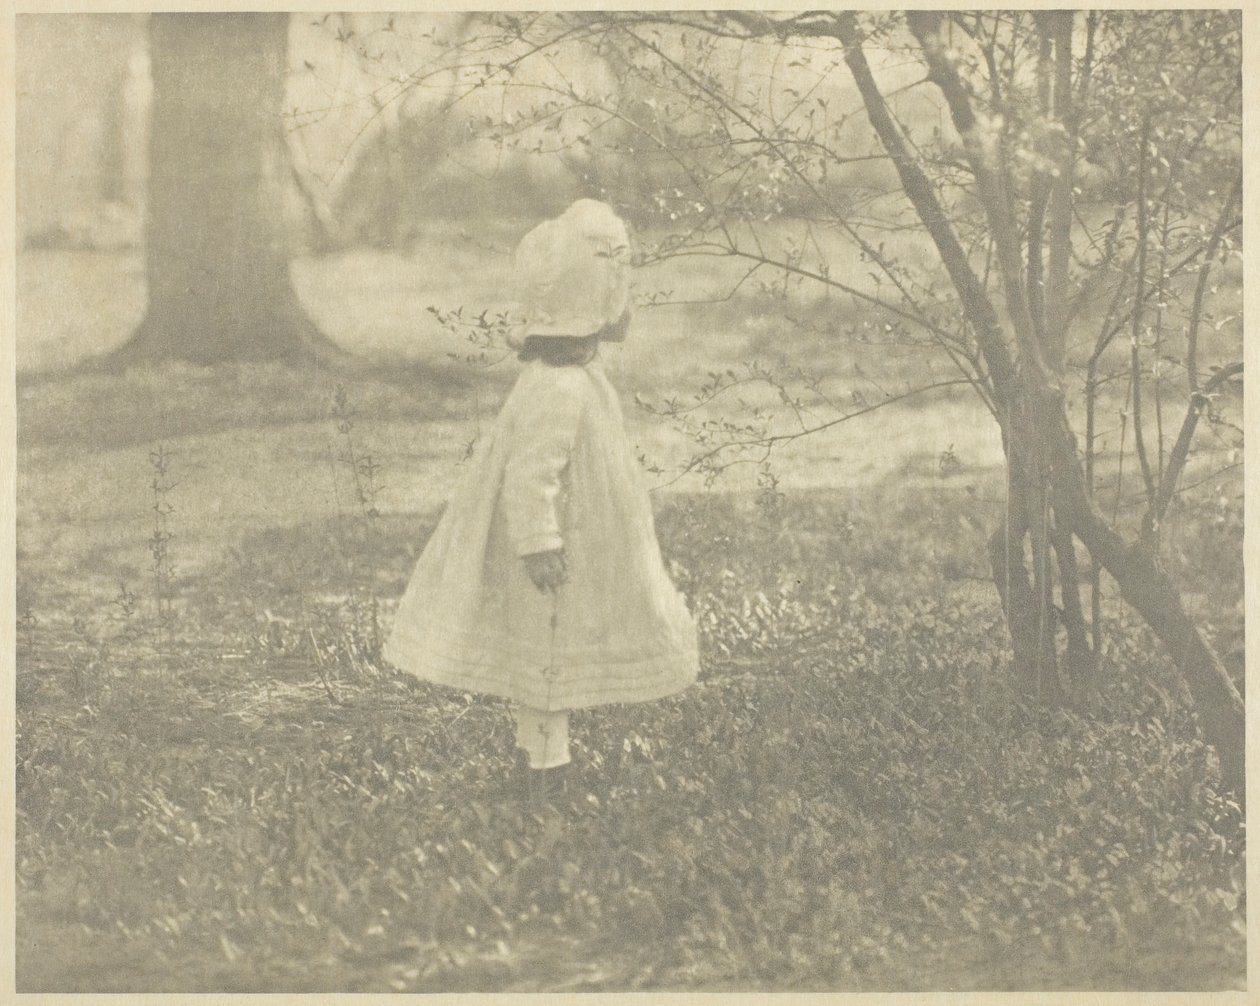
[578,685]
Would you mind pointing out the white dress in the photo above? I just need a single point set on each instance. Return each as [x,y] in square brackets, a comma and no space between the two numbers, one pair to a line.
[556,470]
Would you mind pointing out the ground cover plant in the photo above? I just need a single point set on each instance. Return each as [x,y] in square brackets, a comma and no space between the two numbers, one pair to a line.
[231,792]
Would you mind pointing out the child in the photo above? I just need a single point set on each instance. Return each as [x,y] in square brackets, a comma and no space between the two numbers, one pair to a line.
[543,581]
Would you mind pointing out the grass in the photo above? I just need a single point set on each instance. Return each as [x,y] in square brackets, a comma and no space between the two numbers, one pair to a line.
[853,798]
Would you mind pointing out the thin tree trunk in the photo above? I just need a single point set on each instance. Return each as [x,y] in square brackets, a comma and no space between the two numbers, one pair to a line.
[1024,602]
[1080,657]
[1049,686]
[1151,591]
[1033,410]
[1059,227]
[217,253]
[1026,595]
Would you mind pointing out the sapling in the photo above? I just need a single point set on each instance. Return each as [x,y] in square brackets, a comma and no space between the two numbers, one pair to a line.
[27,624]
[127,602]
[163,570]
[486,333]
[363,638]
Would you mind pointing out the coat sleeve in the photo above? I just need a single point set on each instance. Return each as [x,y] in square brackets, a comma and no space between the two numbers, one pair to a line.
[543,434]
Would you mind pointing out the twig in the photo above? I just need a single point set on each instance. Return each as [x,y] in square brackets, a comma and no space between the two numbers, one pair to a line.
[1139,447]
[1200,288]
[1180,454]
[319,666]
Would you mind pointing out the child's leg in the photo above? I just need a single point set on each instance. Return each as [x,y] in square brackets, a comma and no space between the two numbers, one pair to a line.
[544,736]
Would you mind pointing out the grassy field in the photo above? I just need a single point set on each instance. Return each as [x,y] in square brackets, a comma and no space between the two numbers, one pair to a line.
[220,788]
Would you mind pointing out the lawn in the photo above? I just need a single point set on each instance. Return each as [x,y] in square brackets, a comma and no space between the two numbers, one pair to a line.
[221,788]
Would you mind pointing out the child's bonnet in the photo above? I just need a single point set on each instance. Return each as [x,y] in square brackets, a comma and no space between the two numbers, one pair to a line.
[572,273]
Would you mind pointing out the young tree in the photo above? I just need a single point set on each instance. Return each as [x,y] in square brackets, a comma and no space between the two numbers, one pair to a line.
[217,258]
[1079,188]
[1029,214]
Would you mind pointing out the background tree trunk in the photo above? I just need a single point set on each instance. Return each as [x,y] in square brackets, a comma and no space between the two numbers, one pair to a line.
[113,157]
[217,253]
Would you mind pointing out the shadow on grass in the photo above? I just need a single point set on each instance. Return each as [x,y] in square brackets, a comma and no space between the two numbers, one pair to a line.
[90,407]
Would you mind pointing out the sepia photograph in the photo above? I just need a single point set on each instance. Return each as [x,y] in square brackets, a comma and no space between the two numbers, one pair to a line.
[629,501]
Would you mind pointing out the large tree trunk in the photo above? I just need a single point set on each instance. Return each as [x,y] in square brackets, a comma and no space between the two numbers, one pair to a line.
[113,156]
[217,255]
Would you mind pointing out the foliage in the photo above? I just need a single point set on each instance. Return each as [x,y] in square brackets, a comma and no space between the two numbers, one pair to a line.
[854,797]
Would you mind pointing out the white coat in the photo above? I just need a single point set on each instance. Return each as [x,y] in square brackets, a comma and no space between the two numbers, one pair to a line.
[556,470]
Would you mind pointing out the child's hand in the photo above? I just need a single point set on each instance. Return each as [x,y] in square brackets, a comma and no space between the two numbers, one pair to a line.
[546,569]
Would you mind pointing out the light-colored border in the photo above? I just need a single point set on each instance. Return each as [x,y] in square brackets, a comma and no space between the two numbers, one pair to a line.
[8,8]
[8,496]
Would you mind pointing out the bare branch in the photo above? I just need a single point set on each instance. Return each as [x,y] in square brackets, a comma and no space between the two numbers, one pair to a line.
[1061,200]
[990,335]
[991,184]
[769,441]
[1180,453]
[1209,255]
[1143,224]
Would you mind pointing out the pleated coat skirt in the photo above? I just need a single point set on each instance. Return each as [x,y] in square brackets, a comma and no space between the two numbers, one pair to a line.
[555,471]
